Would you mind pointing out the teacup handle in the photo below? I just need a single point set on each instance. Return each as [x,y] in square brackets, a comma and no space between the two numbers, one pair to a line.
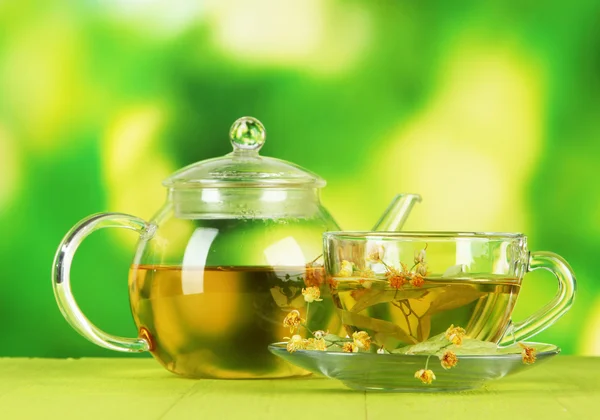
[61,279]
[553,310]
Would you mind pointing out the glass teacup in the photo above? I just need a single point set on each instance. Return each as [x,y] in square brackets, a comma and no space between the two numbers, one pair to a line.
[403,288]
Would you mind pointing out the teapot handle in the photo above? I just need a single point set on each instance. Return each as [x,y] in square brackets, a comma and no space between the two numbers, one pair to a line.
[554,309]
[61,279]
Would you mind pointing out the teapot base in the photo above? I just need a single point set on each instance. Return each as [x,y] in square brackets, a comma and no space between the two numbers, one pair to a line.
[282,370]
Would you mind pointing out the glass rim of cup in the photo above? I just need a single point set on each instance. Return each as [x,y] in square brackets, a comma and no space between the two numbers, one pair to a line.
[374,235]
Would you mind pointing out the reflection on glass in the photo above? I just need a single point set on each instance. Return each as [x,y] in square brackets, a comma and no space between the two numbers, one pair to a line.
[194,259]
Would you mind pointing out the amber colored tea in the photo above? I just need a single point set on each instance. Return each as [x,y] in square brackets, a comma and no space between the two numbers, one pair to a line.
[408,315]
[216,322]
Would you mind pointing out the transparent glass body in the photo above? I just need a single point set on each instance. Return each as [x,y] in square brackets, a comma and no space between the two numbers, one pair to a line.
[220,264]
[406,287]
[209,289]
[215,273]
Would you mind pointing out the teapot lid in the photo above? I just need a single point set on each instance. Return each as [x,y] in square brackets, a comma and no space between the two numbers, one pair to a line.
[244,167]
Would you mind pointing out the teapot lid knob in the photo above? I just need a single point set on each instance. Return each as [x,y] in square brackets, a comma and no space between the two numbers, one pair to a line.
[247,133]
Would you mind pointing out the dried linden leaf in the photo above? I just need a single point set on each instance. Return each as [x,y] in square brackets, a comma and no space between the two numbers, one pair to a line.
[375,325]
[438,344]
[471,346]
[512,349]
[333,338]
[431,346]
[455,270]
[424,327]
[374,297]
[454,296]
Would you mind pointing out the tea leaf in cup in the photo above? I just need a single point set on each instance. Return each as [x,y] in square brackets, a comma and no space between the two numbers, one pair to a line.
[431,346]
[454,270]
[363,322]
[375,296]
[438,344]
[332,338]
[472,346]
[453,296]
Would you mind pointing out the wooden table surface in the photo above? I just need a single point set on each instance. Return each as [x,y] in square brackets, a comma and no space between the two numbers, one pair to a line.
[566,387]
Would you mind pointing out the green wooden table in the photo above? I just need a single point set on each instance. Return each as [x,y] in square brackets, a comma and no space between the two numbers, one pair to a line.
[564,388]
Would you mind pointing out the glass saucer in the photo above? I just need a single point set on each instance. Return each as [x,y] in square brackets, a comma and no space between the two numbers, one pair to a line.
[395,372]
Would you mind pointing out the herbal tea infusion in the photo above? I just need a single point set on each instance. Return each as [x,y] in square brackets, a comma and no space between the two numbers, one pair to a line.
[410,314]
[400,306]
[403,288]
[218,321]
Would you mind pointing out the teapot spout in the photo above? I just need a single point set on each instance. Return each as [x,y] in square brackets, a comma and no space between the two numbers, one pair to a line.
[395,215]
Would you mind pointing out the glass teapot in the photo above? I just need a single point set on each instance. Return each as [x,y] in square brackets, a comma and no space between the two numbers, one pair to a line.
[221,263]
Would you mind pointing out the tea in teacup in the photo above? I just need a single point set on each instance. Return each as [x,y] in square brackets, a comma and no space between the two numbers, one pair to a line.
[408,315]
[403,288]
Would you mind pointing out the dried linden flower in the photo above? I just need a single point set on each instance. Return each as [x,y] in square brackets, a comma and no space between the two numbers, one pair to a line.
[420,256]
[295,343]
[421,269]
[292,320]
[425,375]
[312,294]
[396,278]
[417,280]
[313,274]
[448,359]
[366,283]
[528,354]
[362,340]
[455,334]
[318,344]
[319,334]
[366,274]
[347,269]
[350,347]
[375,253]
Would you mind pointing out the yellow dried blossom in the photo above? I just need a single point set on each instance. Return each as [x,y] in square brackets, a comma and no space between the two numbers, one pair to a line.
[362,340]
[316,344]
[346,270]
[296,343]
[396,278]
[528,354]
[350,347]
[448,359]
[312,294]
[417,280]
[421,269]
[366,283]
[366,274]
[292,320]
[425,375]
[319,334]
[420,255]
[375,253]
[313,275]
[455,334]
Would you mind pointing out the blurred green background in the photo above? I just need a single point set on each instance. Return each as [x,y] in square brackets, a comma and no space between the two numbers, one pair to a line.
[490,110]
